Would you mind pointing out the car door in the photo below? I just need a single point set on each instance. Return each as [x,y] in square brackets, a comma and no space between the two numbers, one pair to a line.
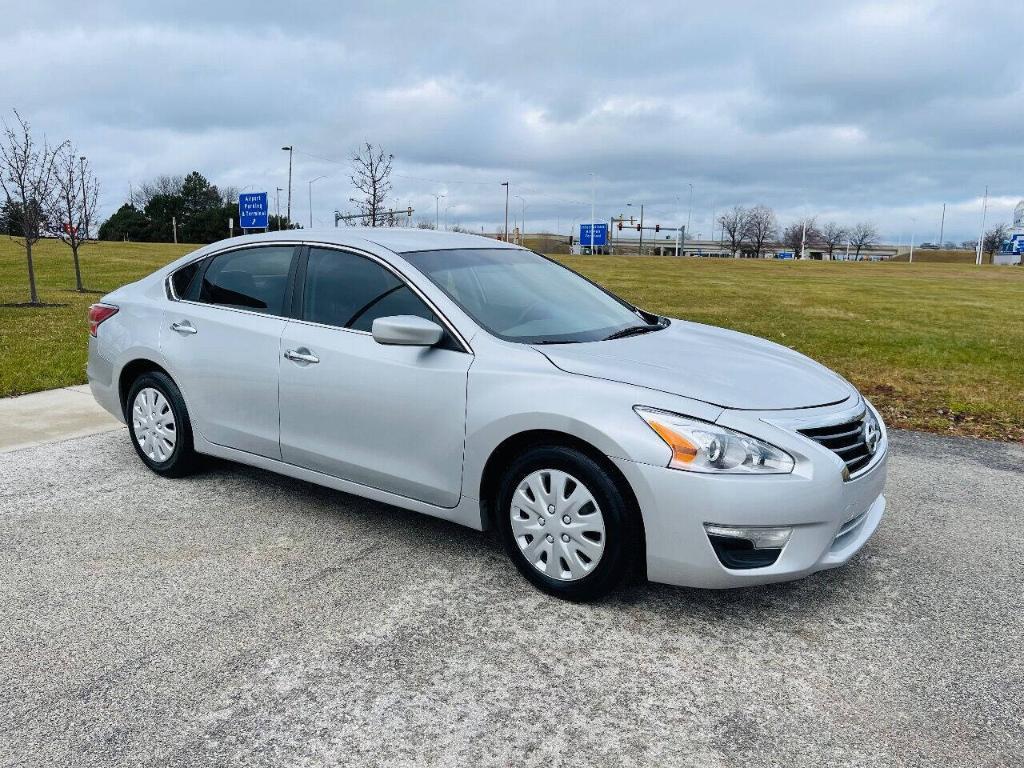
[389,417]
[223,340]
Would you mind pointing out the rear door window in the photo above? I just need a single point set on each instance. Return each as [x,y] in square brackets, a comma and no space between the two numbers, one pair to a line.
[255,279]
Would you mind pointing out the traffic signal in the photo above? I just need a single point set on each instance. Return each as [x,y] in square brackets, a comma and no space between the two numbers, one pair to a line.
[637,227]
[657,227]
[620,226]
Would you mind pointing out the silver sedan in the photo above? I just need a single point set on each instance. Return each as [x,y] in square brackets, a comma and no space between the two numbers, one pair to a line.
[482,383]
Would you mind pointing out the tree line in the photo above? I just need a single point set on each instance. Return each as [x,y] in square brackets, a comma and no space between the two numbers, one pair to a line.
[751,231]
[183,209]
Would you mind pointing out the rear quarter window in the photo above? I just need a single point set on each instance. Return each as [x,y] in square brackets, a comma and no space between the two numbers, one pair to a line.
[182,280]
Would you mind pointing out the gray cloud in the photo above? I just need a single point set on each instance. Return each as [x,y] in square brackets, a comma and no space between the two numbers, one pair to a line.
[848,110]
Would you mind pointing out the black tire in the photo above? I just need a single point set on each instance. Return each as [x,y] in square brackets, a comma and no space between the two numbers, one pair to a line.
[621,522]
[183,459]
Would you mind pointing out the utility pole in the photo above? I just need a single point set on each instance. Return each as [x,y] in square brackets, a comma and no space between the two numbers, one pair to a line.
[290,149]
[505,185]
[85,201]
[311,199]
[942,225]
[278,196]
[981,237]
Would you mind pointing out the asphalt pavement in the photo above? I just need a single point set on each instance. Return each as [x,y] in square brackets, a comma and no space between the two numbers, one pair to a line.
[238,618]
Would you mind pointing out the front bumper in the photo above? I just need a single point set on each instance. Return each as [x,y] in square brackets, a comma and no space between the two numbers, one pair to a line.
[831,518]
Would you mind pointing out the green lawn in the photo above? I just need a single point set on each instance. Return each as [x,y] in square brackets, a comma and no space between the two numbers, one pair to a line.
[938,347]
[45,347]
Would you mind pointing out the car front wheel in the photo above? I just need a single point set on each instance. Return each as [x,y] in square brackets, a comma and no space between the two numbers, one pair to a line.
[566,524]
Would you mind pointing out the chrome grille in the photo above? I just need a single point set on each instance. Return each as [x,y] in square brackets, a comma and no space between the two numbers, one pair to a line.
[845,440]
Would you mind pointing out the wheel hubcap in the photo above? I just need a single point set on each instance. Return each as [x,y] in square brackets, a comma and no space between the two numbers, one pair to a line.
[153,424]
[557,524]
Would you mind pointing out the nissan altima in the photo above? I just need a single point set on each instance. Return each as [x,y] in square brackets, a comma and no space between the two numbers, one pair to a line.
[482,383]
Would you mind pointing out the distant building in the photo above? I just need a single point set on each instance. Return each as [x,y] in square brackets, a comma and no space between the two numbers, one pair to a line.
[1012,249]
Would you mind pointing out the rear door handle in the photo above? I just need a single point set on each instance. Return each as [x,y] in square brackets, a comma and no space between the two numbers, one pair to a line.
[184,327]
[301,355]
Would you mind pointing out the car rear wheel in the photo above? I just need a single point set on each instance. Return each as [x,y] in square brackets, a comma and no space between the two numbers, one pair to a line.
[159,425]
[566,524]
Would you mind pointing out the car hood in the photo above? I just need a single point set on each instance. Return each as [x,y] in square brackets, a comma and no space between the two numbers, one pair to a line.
[701,362]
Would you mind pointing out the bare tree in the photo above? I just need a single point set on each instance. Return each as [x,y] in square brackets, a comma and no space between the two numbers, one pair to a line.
[994,239]
[734,227]
[371,175]
[761,227]
[74,202]
[27,180]
[832,236]
[803,232]
[168,186]
[862,236]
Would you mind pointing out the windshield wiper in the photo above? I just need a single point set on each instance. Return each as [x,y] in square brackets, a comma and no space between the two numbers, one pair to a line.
[633,330]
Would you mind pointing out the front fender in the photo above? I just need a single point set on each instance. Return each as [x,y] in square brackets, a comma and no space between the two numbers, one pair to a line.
[519,391]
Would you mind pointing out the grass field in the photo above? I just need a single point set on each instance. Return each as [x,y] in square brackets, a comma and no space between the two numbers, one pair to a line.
[938,347]
[929,256]
[42,348]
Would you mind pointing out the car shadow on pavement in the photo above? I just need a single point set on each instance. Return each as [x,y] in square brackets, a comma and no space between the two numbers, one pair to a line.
[824,594]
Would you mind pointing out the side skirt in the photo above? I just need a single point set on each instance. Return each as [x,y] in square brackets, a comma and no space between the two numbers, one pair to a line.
[466,513]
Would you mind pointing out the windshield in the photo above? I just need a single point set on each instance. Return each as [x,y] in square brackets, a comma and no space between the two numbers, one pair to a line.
[521,296]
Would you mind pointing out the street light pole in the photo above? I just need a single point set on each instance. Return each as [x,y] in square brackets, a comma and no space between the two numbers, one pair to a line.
[505,185]
[593,221]
[85,202]
[437,211]
[981,237]
[290,150]
[311,199]
[277,196]
[641,251]
[689,213]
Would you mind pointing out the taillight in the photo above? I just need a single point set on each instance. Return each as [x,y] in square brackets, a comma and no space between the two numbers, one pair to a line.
[97,314]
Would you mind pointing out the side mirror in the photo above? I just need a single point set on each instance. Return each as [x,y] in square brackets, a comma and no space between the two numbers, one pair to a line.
[406,330]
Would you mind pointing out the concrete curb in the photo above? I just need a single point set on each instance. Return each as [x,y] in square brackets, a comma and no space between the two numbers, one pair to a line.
[51,416]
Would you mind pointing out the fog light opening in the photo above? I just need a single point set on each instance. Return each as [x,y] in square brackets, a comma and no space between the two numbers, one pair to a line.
[744,547]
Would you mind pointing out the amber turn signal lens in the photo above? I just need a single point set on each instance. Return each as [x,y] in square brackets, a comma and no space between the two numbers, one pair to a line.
[682,449]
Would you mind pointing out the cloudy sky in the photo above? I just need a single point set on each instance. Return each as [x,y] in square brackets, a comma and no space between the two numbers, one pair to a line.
[845,110]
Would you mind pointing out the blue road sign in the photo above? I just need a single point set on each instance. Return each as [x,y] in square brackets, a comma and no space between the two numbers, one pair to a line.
[600,234]
[253,210]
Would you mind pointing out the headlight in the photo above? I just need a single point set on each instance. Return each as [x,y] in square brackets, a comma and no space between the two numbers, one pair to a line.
[700,446]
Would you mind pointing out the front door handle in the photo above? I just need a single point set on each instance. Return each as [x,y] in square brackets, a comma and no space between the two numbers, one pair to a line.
[301,355]
[184,327]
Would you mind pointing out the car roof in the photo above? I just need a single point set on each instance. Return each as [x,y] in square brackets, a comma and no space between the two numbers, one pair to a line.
[395,239]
